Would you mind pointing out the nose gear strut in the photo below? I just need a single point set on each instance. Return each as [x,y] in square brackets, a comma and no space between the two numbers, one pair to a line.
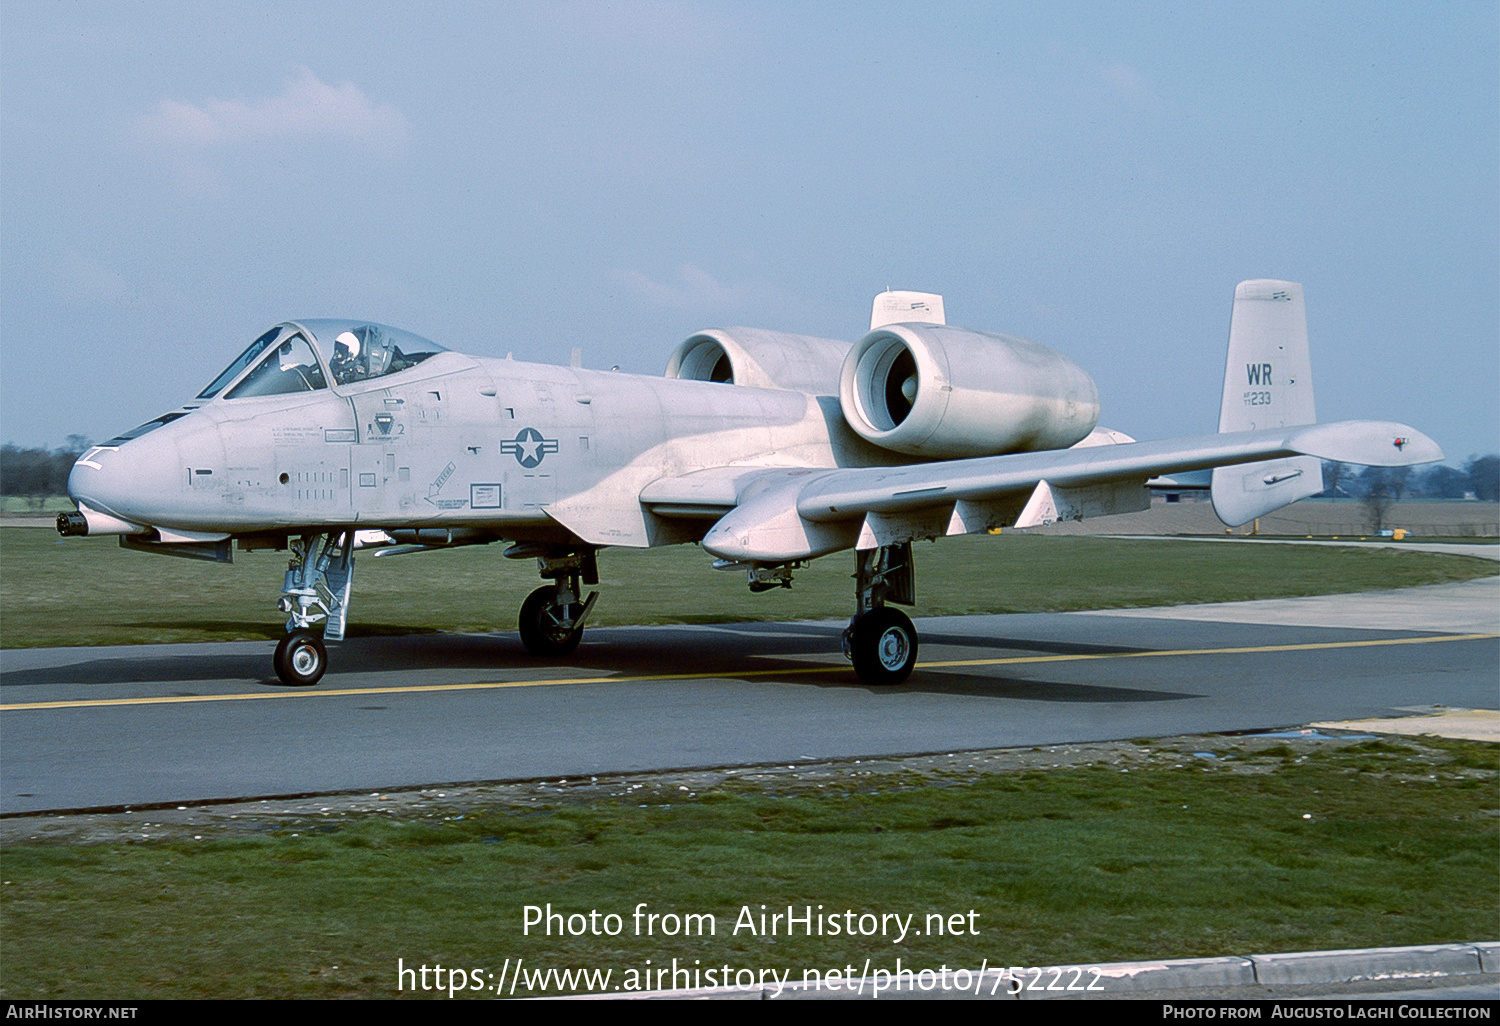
[318,583]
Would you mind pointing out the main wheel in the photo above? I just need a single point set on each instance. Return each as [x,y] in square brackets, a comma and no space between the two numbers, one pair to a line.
[547,629]
[301,659]
[883,644]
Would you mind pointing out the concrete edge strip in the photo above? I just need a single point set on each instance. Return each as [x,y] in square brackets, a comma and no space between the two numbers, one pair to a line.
[1120,979]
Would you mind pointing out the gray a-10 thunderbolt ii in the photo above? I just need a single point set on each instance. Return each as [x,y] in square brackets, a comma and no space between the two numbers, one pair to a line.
[769,449]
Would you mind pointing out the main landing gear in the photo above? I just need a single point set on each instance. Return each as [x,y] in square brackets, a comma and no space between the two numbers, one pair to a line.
[318,582]
[552,617]
[881,641]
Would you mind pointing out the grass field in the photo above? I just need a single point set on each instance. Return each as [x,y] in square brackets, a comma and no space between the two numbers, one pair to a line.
[88,591]
[1270,846]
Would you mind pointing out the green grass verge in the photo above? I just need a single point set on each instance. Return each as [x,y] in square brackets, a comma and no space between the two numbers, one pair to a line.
[47,506]
[1362,845]
[89,591]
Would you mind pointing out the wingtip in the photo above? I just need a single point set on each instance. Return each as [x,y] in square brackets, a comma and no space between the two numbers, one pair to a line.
[1371,443]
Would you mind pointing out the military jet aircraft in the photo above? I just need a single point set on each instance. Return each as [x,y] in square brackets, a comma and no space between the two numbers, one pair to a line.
[768,449]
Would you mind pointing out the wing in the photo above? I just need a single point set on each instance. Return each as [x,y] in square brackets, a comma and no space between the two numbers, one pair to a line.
[781,515]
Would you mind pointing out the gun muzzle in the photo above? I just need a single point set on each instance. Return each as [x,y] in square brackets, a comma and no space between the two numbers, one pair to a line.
[91,521]
[69,524]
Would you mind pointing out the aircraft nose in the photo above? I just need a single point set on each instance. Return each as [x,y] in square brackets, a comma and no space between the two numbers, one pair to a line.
[140,480]
[102,480]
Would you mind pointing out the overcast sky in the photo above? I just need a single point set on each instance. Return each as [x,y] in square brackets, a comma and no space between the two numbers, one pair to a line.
[174,178]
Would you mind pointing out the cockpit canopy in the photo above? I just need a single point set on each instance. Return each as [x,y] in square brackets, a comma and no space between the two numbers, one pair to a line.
[351,351]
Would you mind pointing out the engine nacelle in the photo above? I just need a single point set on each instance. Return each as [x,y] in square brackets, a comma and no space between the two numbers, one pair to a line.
[941,392]
[761,359]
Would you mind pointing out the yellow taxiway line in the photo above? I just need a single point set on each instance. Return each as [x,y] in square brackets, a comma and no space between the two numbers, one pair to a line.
[92,703]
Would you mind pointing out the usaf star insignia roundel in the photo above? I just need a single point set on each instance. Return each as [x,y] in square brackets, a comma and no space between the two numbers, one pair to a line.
[529,447]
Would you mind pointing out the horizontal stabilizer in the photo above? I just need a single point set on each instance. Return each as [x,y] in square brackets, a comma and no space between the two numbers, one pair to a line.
[1370,443]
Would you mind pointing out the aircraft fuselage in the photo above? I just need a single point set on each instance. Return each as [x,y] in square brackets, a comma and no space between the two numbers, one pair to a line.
[461,442]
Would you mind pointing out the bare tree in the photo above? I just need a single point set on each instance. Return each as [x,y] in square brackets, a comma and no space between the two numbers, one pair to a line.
[1383,488]
[1336,478]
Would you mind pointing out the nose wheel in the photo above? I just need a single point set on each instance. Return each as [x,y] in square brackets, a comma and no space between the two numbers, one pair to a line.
[301,659]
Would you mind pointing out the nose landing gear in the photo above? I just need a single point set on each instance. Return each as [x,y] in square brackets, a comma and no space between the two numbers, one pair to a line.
[318,583]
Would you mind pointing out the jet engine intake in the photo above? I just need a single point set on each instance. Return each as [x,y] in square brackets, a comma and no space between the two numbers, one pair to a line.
[760,359]
[945,393]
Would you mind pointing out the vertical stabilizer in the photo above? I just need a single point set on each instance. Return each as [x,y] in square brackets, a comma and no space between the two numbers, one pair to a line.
[1267,384]
[1268,379]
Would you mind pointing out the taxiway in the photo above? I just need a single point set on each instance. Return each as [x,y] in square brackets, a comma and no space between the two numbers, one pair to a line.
[89,728]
